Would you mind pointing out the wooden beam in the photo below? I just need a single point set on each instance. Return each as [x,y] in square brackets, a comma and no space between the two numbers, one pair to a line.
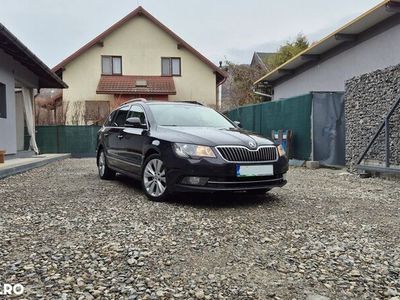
[310,57]
[100,43]
[180,46]
[345,37]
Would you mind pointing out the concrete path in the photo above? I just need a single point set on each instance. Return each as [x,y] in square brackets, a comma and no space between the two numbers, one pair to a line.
[19,165]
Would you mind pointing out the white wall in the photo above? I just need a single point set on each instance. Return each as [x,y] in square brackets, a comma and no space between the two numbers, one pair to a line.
[375,53]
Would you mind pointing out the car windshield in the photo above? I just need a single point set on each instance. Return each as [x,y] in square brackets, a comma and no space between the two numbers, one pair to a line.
[188,116]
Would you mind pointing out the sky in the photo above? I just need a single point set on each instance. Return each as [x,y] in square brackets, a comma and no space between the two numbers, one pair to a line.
[220,29]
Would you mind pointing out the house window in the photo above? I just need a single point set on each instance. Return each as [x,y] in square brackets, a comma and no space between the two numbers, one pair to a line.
[111,65]
[3,101]
[170,66]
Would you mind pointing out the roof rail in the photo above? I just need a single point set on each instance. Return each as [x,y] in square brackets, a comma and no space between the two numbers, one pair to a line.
[134,100]
[144,100]
[190,102]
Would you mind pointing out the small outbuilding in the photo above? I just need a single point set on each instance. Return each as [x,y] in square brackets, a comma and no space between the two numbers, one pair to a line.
[22,74]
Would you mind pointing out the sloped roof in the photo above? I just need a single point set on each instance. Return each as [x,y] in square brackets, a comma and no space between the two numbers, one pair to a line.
[14,47]
[264,55]
[131,85]
[140,11]
[348,32]
[261,58]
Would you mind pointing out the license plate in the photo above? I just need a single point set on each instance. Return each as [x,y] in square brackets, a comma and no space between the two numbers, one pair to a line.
[254,170]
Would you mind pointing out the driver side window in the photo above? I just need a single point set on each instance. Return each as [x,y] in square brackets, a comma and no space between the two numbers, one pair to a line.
[138,112]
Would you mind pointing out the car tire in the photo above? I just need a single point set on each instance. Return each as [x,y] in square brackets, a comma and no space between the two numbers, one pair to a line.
[154,180]
[104,170]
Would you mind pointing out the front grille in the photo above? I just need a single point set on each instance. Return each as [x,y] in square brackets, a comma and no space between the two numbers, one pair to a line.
[243,154]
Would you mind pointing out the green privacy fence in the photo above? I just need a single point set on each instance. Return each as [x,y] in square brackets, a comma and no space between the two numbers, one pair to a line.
[80,141]
[292,113]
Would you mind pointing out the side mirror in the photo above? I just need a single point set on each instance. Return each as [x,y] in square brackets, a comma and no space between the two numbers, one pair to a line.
[238,124]
[134,122]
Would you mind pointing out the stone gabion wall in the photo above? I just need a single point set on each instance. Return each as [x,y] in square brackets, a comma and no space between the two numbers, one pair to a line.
[368,98]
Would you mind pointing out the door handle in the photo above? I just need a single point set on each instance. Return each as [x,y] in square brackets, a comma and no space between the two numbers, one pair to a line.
[120,136]
[106,134]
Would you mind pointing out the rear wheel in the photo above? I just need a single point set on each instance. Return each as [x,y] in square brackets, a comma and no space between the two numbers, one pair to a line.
[104,171]
[154,180]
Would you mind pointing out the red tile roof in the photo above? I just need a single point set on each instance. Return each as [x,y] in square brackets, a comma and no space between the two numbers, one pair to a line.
[140,11]
[132,85]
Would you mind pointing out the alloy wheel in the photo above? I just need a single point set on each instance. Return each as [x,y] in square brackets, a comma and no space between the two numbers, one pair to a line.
[154,178]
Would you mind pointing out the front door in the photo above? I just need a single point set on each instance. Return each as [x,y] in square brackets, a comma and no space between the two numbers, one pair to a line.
[115,153]
[134,139]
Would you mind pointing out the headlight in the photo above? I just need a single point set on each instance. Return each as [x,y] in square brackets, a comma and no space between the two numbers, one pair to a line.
[281,151]
[189,150]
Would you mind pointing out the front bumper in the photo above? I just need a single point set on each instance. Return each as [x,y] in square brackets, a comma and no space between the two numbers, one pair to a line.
[221,175]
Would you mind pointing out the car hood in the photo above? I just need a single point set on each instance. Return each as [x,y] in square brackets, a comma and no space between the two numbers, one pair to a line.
[209,136]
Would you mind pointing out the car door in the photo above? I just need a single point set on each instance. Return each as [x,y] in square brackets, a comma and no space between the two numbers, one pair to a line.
[134,139]
[115,139]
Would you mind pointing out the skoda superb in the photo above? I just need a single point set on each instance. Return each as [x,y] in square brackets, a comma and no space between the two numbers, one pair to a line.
[184,147]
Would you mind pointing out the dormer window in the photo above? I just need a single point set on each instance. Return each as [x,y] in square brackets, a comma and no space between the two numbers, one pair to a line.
[171,66]
[111,65]
[141,83]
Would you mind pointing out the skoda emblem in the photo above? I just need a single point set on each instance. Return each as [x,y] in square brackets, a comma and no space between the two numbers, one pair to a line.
[252,144]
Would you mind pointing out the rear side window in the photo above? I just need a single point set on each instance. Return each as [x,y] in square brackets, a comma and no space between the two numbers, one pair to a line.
[108,122]
[120,119]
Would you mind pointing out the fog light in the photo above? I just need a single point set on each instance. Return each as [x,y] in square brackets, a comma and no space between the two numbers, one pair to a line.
[194,180]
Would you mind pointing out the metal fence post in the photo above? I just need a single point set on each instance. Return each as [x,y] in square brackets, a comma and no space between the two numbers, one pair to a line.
[387,143]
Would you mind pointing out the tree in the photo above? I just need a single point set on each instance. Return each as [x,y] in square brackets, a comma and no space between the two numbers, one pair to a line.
[238,89]
[287,51]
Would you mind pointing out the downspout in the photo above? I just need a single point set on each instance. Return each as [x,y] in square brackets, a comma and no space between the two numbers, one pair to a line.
[219,90]
[219,100]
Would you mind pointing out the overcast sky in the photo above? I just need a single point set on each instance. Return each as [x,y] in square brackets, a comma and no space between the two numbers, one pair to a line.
[220,29]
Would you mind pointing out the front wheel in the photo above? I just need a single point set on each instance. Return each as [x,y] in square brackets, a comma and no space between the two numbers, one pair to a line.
[154,180]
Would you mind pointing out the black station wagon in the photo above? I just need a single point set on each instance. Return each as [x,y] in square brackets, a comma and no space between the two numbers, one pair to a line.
[186,147]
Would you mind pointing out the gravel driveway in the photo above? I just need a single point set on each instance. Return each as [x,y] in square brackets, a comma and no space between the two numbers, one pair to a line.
[64,234]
